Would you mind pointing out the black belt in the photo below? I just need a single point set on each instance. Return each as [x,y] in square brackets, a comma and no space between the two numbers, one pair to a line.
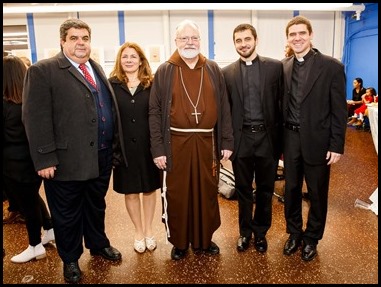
[292,127]
[254,128]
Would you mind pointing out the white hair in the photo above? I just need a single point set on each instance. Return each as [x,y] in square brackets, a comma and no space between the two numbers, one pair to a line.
[186,23]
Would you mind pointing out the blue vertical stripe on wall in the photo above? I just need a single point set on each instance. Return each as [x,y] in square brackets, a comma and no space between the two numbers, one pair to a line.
[211,34]
[122,34]
[32,37]
[296,13]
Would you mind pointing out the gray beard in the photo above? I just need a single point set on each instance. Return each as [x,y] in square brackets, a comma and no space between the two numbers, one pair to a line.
[189,53]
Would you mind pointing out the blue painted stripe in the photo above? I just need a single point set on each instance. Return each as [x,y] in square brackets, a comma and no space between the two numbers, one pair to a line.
[296,13]
[32,37]
[122,32]
[211,34]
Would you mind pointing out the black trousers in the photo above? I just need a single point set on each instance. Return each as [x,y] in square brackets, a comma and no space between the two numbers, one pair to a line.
[78,211]
[297,170]
[32,206]
[254,161]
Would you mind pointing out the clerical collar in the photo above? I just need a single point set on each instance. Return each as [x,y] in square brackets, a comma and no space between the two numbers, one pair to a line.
[249,63]
[306,56]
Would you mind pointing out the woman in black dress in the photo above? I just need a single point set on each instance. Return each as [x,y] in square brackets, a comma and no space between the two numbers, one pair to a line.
[138,178]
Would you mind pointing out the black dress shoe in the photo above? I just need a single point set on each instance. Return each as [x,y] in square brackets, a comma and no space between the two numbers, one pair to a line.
[72,273]
[109,253]
[309,252]
[291,246]
[213,249]
[177,254]
[243,243]
[260,244]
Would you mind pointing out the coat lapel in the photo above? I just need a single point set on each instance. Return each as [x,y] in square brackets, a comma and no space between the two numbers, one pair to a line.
[313,75]
[238,78]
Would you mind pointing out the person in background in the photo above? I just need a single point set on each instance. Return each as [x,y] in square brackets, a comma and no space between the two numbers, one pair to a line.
[190,127]
[255,86]
[71,117]
[358,116]
[138,178]
[314,112]
[288,52]
[11,212]
[20,178]
[356,102]
[26,61]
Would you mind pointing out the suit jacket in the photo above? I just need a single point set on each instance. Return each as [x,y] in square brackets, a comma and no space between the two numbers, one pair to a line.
[323,108]
[60,118]
[271,90]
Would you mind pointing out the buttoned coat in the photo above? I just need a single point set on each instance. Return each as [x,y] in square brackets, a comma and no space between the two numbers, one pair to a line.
[60,118]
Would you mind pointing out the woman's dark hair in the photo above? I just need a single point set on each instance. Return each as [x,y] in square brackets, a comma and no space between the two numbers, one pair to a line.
[14,71]
[360,81]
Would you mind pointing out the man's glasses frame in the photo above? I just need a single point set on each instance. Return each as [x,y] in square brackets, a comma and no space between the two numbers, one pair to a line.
[186,39]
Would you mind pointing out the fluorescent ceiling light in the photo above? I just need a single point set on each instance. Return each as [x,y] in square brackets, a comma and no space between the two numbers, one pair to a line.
[14,34]
[8,8]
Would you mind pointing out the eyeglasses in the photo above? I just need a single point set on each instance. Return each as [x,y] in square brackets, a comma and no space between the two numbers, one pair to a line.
[186,39]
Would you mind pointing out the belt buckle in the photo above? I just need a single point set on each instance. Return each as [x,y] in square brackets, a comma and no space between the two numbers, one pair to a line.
[292,127]
[257,128]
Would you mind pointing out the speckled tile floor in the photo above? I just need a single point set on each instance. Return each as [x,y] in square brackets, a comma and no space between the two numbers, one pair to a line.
[348,253]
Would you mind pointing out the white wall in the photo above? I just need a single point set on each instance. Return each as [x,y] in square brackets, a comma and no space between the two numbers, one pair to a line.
[157,28]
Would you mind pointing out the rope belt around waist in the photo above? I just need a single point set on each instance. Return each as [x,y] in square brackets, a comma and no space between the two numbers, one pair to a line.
[292,127]
[191,130]
[254,128]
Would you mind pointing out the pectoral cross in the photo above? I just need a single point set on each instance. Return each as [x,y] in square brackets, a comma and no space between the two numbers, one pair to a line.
[196,115]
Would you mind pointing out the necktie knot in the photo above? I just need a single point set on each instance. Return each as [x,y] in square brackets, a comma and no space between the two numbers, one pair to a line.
[87,75]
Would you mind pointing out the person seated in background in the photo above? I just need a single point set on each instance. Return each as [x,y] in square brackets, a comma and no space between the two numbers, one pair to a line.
[357,92]
[366,126]
[358,116]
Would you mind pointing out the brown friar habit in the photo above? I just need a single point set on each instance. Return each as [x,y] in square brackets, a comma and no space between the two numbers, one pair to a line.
[192,184]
